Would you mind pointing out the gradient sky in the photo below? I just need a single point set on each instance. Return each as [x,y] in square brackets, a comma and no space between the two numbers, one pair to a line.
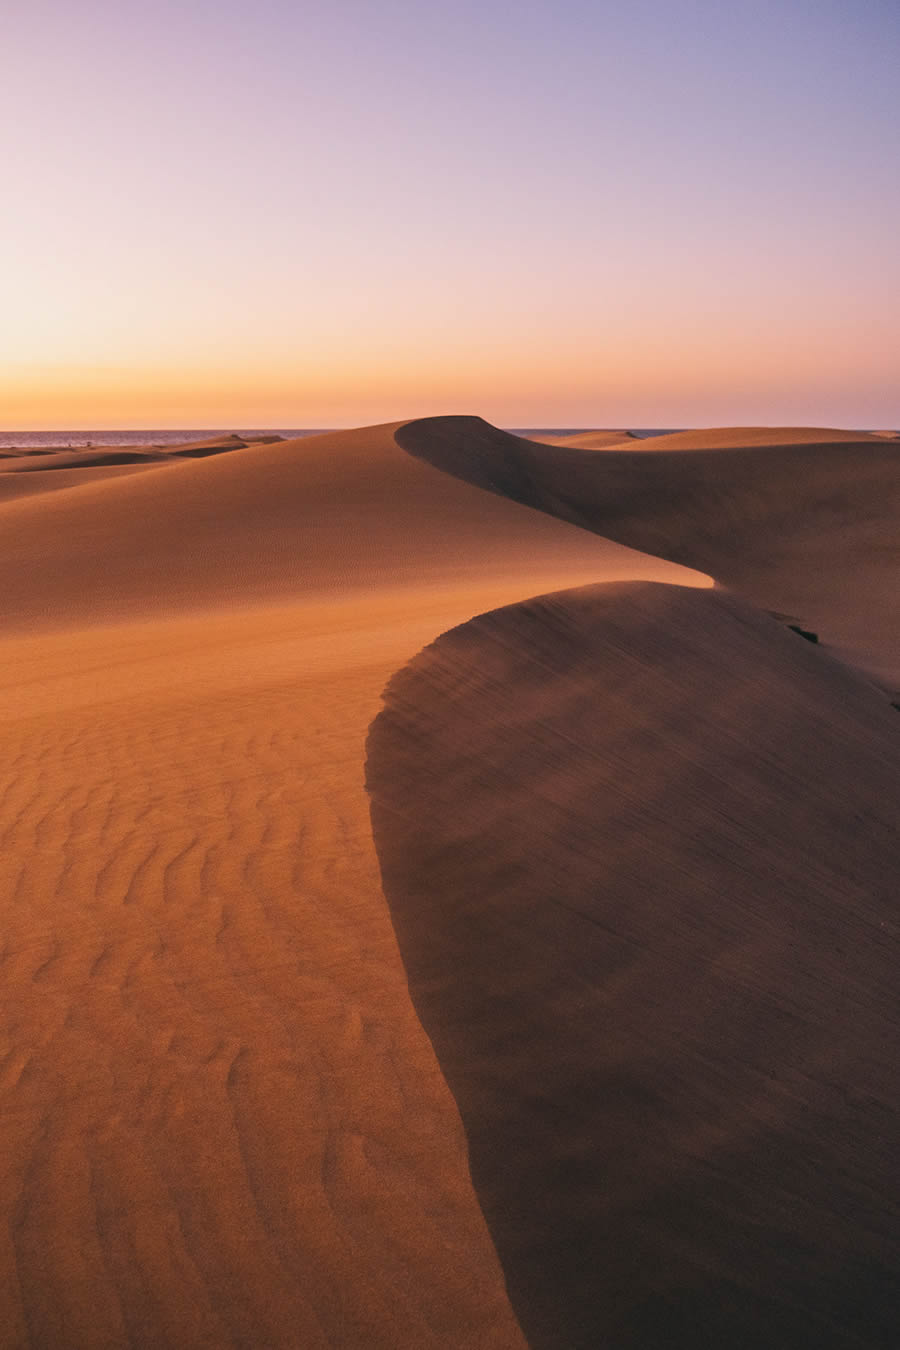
[335,212]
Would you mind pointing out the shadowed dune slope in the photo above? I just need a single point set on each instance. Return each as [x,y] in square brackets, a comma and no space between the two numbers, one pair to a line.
[640,849]
[221,1124]
[82,459]
[340,512]
[811,530]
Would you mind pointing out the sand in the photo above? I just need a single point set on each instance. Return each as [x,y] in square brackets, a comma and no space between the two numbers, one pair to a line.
[25,473]
[806,528]
[222,1122]
[658,832]
[253,1033]
[30,484]
[589,440]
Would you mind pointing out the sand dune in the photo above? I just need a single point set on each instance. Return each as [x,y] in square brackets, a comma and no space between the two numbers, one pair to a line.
[711,438]
[90,464]
[805,528]
[222,1123]
[17,452]
[734,438]
[640,849]
[30,484]
[231,441]
[88,454]
[342,512]
[589,440]
[84,459]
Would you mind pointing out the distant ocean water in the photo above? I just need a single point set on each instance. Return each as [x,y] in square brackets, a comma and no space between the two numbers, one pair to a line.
[42,440]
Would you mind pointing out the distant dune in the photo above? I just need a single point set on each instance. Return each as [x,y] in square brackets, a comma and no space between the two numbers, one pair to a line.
[589,440]
[84,459]
[807,528]
[90,464]
[23,484]
[330,514]
[732,438]
[634,840]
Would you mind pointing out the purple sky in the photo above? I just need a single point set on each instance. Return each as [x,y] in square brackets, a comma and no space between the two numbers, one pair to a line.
[646,213]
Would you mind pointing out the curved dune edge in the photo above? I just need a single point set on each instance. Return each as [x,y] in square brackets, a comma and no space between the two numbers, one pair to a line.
[589,440]
[221,1123]
[25,473]
[639,847]
[806,529]
[324,517]
[737,438]
[712,438]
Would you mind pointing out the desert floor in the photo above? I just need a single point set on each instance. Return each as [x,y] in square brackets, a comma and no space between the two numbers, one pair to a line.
[443,901]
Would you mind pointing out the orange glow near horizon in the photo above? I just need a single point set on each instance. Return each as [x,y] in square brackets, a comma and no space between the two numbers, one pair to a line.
[286,235]
[575,382]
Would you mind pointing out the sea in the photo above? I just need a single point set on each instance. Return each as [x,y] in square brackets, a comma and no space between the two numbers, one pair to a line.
[166,437]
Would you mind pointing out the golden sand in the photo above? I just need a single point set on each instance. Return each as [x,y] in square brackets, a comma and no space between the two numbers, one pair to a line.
[222,1122]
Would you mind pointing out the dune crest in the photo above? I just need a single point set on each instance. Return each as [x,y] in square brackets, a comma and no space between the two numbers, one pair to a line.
[737,438]
[342,512]
[589,440]
[640,849]
[806,529]
[222,1122]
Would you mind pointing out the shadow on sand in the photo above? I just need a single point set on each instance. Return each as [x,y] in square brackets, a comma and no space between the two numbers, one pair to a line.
[638,845]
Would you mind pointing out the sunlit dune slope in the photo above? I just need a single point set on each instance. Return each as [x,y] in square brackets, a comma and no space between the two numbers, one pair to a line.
[231,441]
[636,846]
[640,848]
[810,529]
[734,438]
[589,440]
[345,511]
[710,438]
[27,473]
[221,1123]
[218,444]
[57,460]
[13,485]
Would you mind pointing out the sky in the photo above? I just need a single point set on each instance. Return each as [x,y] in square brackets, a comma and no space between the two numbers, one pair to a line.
[323,213]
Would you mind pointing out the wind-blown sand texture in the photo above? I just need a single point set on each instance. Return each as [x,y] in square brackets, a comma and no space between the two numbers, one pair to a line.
[674,1047]
[223,1122]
